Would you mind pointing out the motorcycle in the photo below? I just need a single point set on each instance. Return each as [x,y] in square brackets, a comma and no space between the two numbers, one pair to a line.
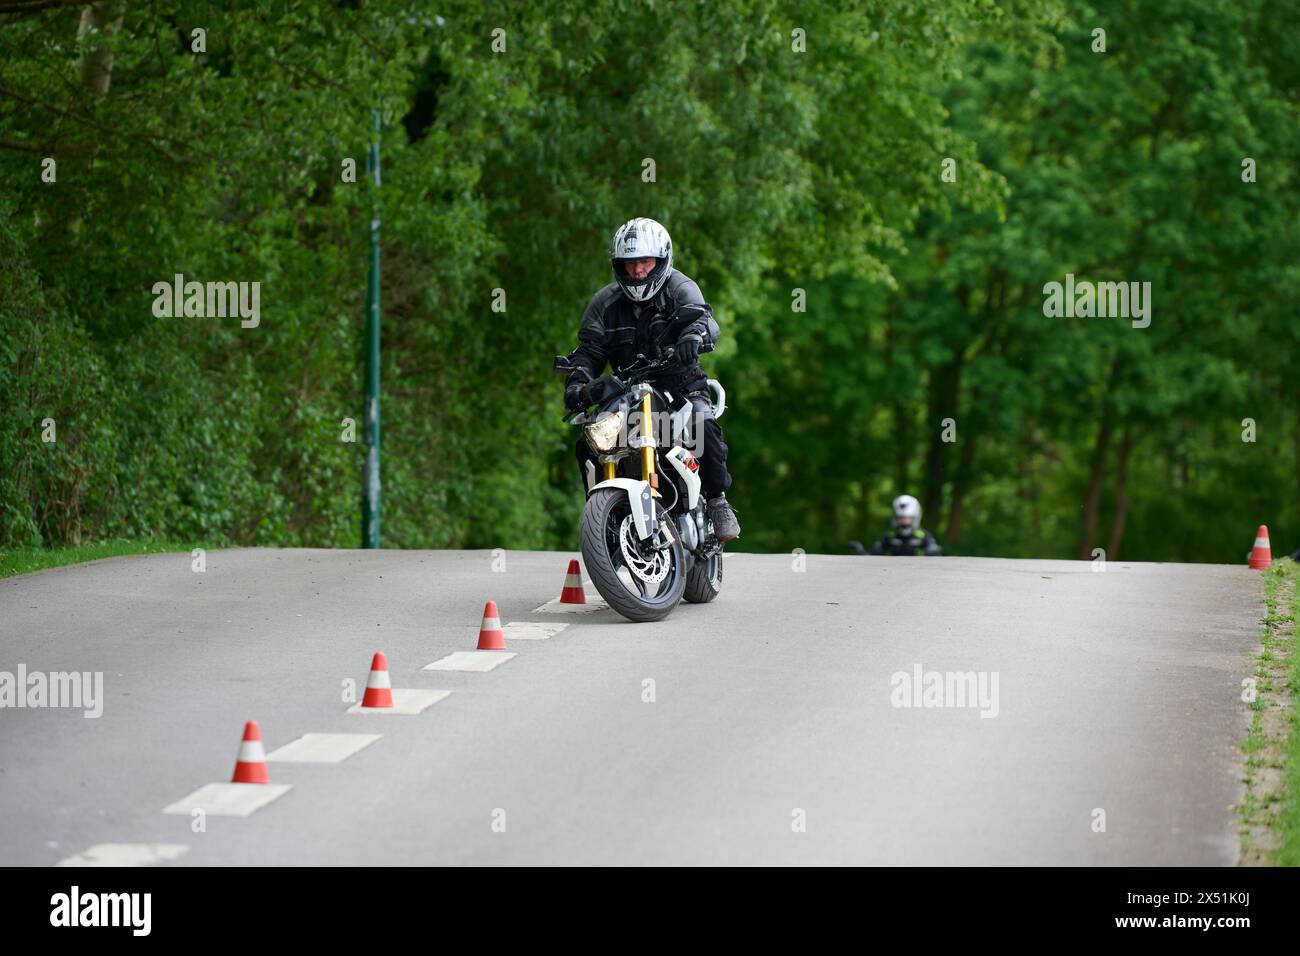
[646,535]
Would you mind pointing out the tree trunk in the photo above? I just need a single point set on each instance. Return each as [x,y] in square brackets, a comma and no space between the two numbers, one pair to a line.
[1034,497]
[96,68]
[1092,499]
[1121,497]
[902,438]
[902,445]
[944,388]
[961,484]
[1185,467]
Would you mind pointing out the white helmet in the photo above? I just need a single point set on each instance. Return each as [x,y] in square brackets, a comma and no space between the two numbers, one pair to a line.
[641,239]
[907,513]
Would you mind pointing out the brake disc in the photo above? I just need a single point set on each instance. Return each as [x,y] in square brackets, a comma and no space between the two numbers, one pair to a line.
[651,570]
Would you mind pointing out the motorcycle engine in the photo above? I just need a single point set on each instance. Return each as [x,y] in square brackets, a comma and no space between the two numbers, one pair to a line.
[686,531]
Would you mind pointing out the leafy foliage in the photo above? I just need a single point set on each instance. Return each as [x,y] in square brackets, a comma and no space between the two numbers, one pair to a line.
[791,151]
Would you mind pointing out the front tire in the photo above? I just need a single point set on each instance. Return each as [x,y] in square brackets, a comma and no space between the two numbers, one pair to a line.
[606,524]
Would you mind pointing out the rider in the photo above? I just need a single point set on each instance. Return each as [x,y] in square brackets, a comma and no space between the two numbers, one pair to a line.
[907,536]
[646,309]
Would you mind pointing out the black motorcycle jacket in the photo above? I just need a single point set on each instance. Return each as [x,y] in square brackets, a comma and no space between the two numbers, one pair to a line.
[615,330]
[913,542]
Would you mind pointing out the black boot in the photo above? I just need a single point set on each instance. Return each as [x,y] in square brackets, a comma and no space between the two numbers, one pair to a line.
[725,525]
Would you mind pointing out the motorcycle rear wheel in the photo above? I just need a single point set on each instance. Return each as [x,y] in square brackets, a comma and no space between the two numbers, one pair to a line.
[704,581]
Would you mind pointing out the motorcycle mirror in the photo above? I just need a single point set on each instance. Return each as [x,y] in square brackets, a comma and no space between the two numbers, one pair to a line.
[562,365]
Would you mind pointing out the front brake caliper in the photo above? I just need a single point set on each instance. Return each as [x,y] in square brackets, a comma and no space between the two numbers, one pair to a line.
[665,531]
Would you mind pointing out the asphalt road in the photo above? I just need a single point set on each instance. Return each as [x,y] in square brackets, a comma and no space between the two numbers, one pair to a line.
[773,735]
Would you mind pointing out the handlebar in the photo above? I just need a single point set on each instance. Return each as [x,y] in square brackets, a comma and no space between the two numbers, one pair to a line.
[637,371]
[633,374]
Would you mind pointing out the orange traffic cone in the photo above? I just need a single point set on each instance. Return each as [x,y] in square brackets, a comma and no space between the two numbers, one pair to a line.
[1261,556]
[251,765]
[573,593]
[490,635]
[379,689]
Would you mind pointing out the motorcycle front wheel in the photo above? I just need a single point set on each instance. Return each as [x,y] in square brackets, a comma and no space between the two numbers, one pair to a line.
[640,586]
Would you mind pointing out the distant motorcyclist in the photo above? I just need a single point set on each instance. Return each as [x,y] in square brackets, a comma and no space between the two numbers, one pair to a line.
[906,536]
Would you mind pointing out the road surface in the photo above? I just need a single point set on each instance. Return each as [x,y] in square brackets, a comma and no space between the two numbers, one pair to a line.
[773,731]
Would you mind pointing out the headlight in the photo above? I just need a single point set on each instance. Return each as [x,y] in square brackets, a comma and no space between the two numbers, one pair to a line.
[602,435]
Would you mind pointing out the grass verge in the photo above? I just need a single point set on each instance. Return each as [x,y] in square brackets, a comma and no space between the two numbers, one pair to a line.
[1270,811]
[26,560]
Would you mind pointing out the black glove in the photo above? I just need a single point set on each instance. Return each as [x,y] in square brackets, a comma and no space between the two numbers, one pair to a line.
[576,396]
[576,392]
[688,349]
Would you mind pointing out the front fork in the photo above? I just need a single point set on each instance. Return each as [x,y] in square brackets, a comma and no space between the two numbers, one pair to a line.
[647,451]
[661,533]
[647,446]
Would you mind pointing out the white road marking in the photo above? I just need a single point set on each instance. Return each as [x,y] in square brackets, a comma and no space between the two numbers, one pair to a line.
[126,854]
[470,661]
[229,799]
[532,631]
[594,603]
[322,748]
[406,701]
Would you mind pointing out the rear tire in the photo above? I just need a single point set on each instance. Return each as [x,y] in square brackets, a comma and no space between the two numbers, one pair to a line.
[704,581]
[602,521]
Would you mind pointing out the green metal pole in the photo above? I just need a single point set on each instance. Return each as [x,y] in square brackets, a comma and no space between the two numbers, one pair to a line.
[370,478]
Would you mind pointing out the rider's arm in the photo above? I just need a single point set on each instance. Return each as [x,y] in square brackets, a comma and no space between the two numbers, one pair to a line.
[706,327]
[590,354]
[932,548]
[879,546]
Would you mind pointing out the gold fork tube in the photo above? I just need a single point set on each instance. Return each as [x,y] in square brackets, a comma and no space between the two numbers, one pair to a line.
[647,431]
